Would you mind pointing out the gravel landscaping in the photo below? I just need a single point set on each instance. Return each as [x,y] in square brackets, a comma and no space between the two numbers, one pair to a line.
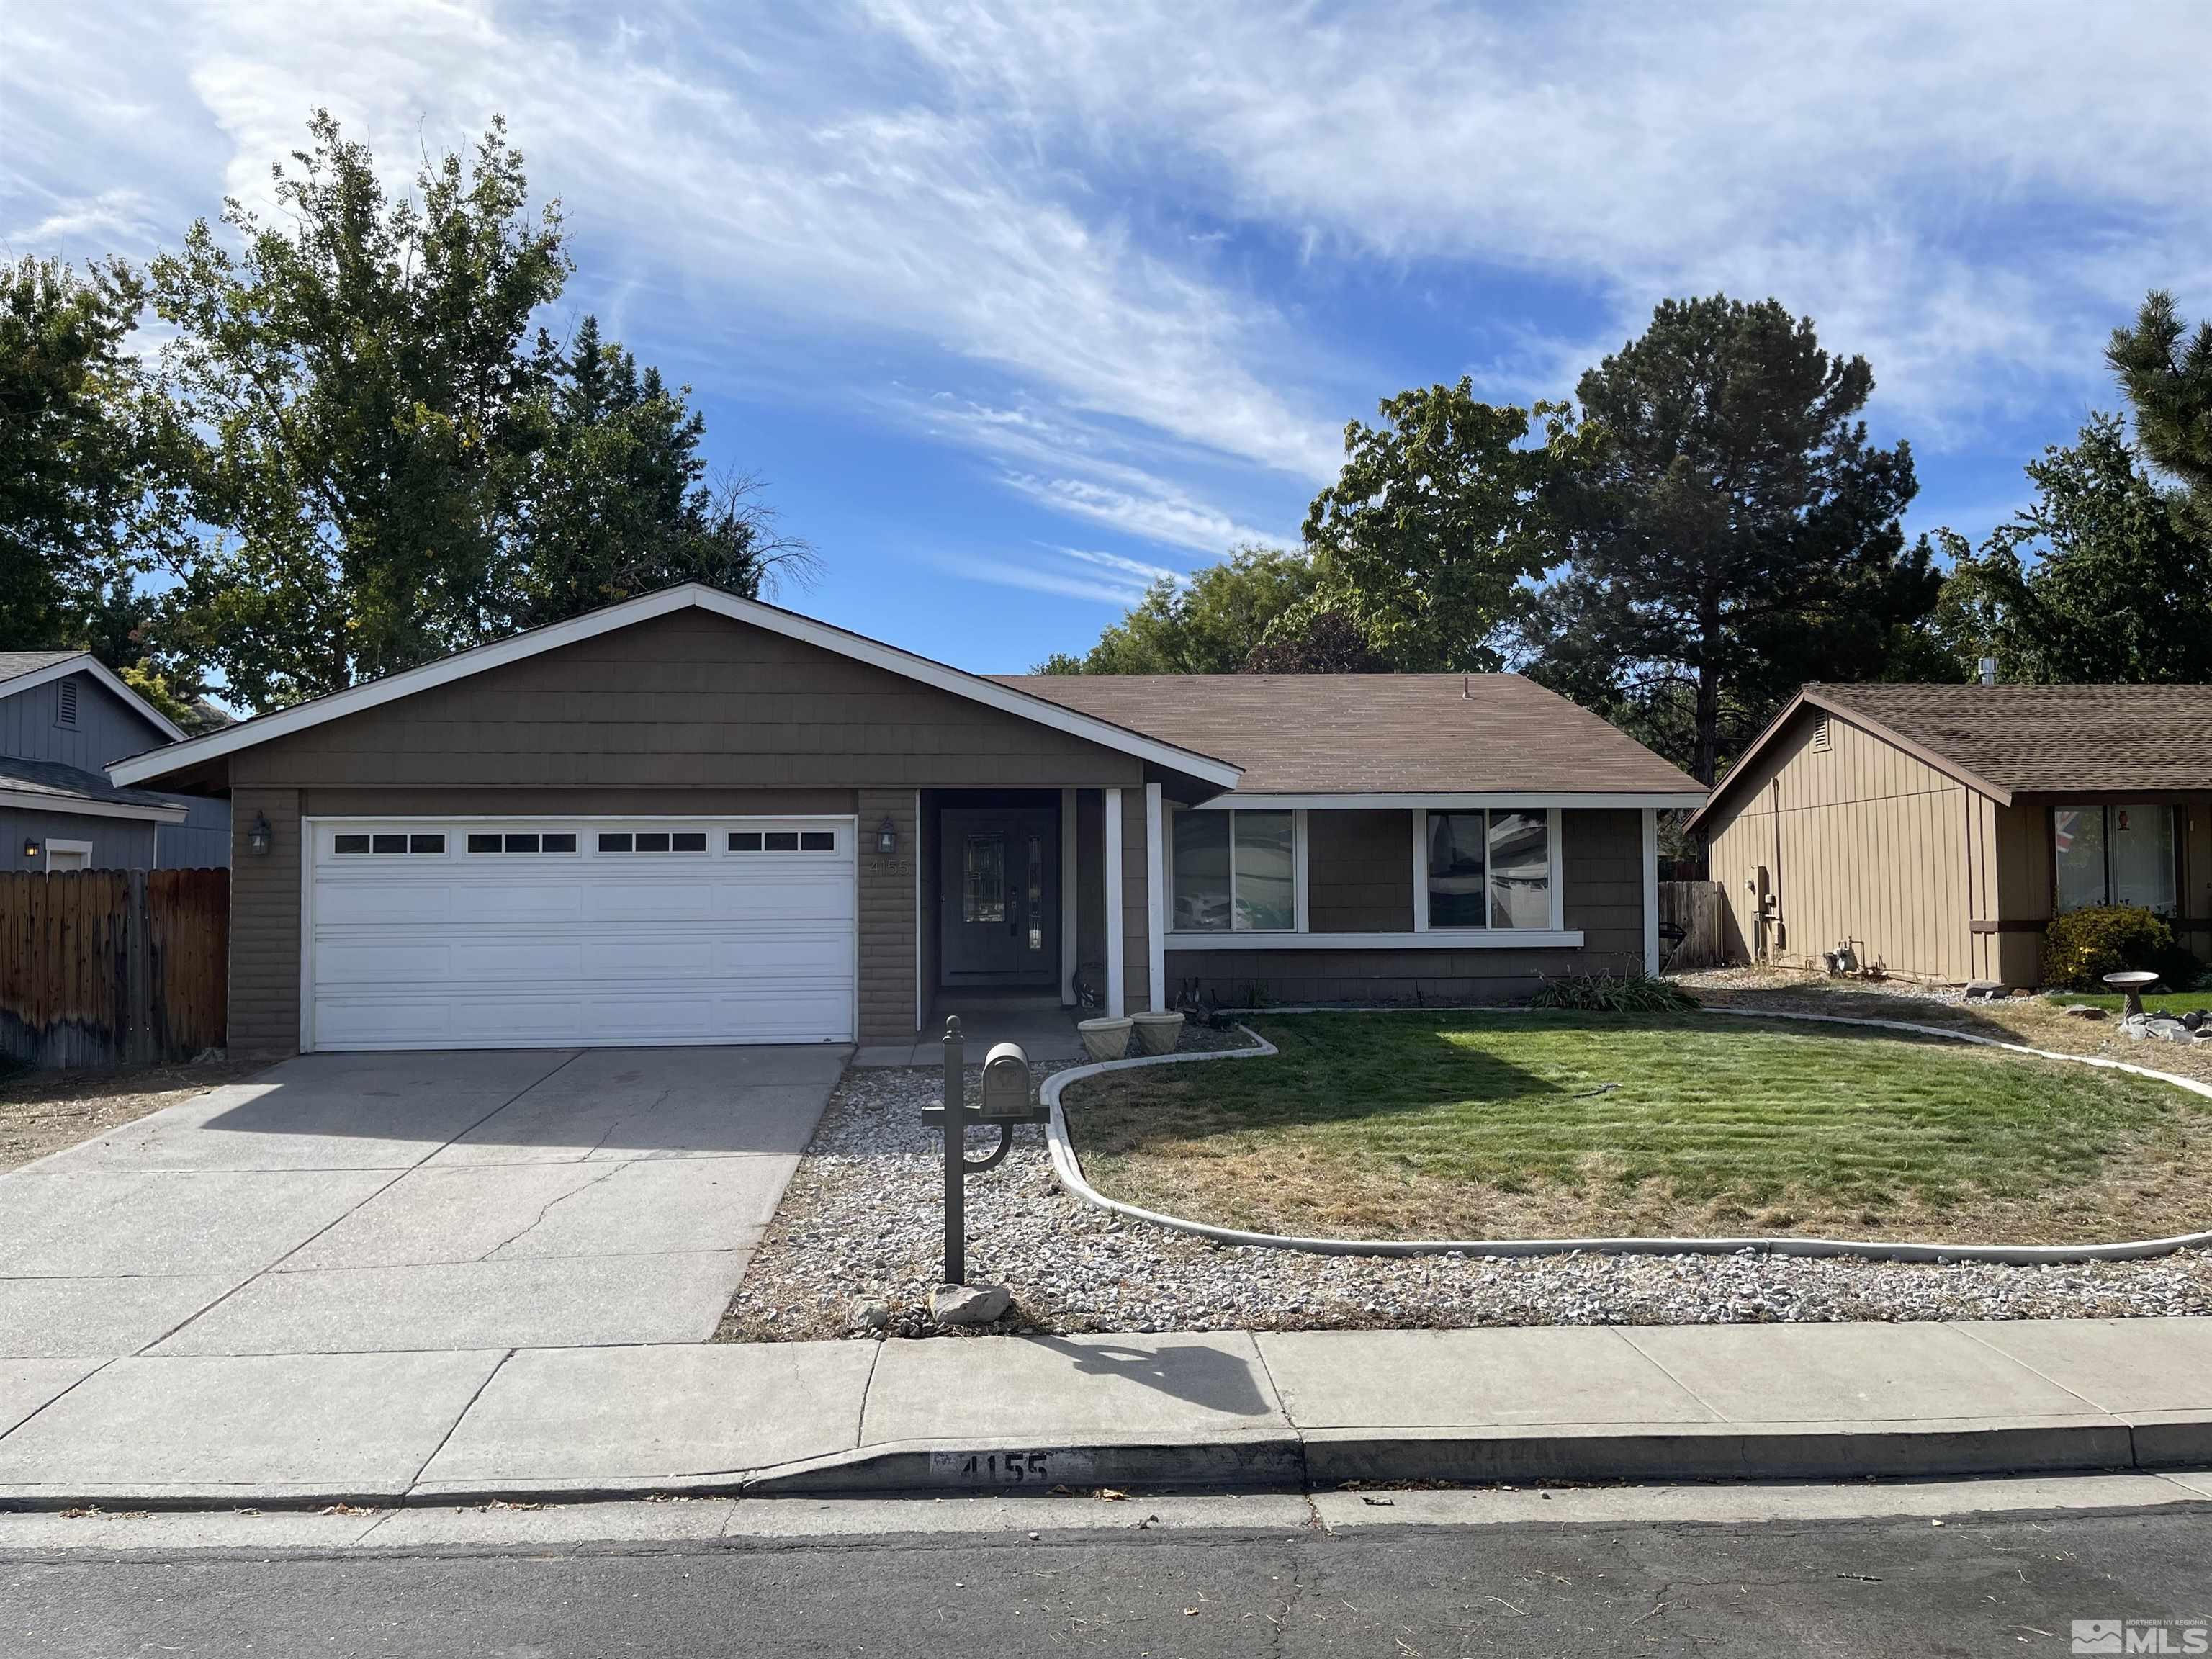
[860,1231]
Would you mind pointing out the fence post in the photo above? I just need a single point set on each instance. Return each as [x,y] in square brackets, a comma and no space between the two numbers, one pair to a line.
[138,979]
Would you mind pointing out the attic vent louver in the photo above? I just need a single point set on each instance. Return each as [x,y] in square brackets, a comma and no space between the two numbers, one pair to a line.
[65,703]
[1821,735]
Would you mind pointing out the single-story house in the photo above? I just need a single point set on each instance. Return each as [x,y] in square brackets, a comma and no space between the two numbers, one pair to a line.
[63,716]
[1939,828]
[691,817]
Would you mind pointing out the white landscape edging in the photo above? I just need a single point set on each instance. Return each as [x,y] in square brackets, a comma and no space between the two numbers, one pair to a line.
[1070,1173]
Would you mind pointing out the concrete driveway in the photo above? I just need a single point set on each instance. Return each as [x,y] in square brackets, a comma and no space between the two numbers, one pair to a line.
[389,1202]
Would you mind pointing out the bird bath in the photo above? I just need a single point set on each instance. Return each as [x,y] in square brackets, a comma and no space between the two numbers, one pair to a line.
[2132,985]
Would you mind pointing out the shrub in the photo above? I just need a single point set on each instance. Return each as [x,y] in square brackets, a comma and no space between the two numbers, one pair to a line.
[2080,947]
[1613,994]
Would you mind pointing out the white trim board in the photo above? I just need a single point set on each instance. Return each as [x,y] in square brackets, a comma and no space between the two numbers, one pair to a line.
[1505,799]
[75,807]
[690,596]
[1464,939]
[85,663]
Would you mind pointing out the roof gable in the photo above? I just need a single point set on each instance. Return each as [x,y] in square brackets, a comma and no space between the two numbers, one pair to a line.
[463,666]
[25,670]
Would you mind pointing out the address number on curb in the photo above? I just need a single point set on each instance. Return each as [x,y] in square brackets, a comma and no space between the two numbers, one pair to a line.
[1009,1467]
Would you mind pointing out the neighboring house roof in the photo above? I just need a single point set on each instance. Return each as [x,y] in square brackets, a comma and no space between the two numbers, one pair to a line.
[14,663]
[50,787]
[21,670]
[1380,734]
[2003,740]
[976,687]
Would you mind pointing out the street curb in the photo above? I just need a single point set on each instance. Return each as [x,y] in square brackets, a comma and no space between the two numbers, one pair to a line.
[1294,1460]
[1069,1172]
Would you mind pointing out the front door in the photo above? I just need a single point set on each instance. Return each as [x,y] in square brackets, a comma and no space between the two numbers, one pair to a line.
[998,895]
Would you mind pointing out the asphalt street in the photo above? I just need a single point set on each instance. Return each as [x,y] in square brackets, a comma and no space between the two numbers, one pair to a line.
[2010,1585]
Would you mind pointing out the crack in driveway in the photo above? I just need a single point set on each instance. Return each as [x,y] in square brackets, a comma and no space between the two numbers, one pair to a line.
[551,1204]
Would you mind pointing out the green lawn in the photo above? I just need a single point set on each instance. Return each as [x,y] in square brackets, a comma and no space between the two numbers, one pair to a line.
[1488,1125]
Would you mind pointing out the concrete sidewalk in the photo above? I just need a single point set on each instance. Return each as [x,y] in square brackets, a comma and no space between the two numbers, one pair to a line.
[1233,1409]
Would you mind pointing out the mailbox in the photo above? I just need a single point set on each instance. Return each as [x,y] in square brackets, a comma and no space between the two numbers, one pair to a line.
[1006,1085]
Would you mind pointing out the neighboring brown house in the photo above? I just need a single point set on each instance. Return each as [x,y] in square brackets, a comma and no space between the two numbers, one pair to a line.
[695,818]
[1939,828]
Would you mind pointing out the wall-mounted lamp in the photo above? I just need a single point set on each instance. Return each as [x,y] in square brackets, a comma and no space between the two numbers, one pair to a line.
[30,848]
[260,838]
[887,836]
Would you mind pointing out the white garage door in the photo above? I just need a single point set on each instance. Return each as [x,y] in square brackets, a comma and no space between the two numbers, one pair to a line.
[453,934]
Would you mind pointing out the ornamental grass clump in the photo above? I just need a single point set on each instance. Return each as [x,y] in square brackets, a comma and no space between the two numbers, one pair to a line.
[1614,994]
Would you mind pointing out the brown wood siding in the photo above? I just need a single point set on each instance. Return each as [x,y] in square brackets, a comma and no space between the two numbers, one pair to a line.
[1136,931]
[689,700]
[1600,874]
[264,924]
[691,714]
[1359,873]
[888,919]
[1861,842]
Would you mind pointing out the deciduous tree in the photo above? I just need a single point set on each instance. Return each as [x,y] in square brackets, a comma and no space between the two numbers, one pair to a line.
[1210,623]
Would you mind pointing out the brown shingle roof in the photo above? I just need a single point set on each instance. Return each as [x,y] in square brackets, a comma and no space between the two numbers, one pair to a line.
[1374,733]
[2048,739]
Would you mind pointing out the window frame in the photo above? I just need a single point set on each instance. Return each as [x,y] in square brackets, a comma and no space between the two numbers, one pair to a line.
[1299,921]
[2176,819]
[1554,885]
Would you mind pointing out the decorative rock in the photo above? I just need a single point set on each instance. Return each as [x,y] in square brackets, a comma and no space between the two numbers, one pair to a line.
[870,1315]
[2172,1030]
[969,1305]
[1985,990]
[2083,1011]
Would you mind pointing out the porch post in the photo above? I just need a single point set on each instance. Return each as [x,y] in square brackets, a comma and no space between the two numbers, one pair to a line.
[1156,909]
[1067,896]
[1117,924]
[1650,840]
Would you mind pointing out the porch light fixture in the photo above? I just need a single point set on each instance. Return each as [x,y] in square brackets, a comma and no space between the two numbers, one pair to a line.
[260,838]
[30,847]
[887,836]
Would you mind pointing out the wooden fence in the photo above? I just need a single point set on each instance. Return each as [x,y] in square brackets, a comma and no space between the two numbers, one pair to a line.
[1692,926]
[110,967]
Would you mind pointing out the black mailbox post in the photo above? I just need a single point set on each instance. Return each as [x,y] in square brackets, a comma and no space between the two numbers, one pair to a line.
[1005,1103]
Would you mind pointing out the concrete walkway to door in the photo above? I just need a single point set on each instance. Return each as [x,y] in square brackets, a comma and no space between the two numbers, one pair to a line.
[360,1203]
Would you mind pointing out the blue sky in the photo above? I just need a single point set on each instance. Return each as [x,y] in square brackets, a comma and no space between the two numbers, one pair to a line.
[1013,305]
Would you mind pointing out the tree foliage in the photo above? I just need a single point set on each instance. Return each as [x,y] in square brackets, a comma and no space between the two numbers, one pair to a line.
[1733,534]
[1322,642]
[1210,623]
[84,506]
[2100,579]
[1435,520]
[391,459]
[2167,372]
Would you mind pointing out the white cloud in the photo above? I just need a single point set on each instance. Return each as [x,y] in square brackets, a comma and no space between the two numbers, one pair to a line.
[1112,588]
[1899,171]
[1057,205]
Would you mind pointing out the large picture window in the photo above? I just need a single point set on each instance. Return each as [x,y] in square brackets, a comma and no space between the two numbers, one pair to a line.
[2115,854]
[1234,872]
[1489,869]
